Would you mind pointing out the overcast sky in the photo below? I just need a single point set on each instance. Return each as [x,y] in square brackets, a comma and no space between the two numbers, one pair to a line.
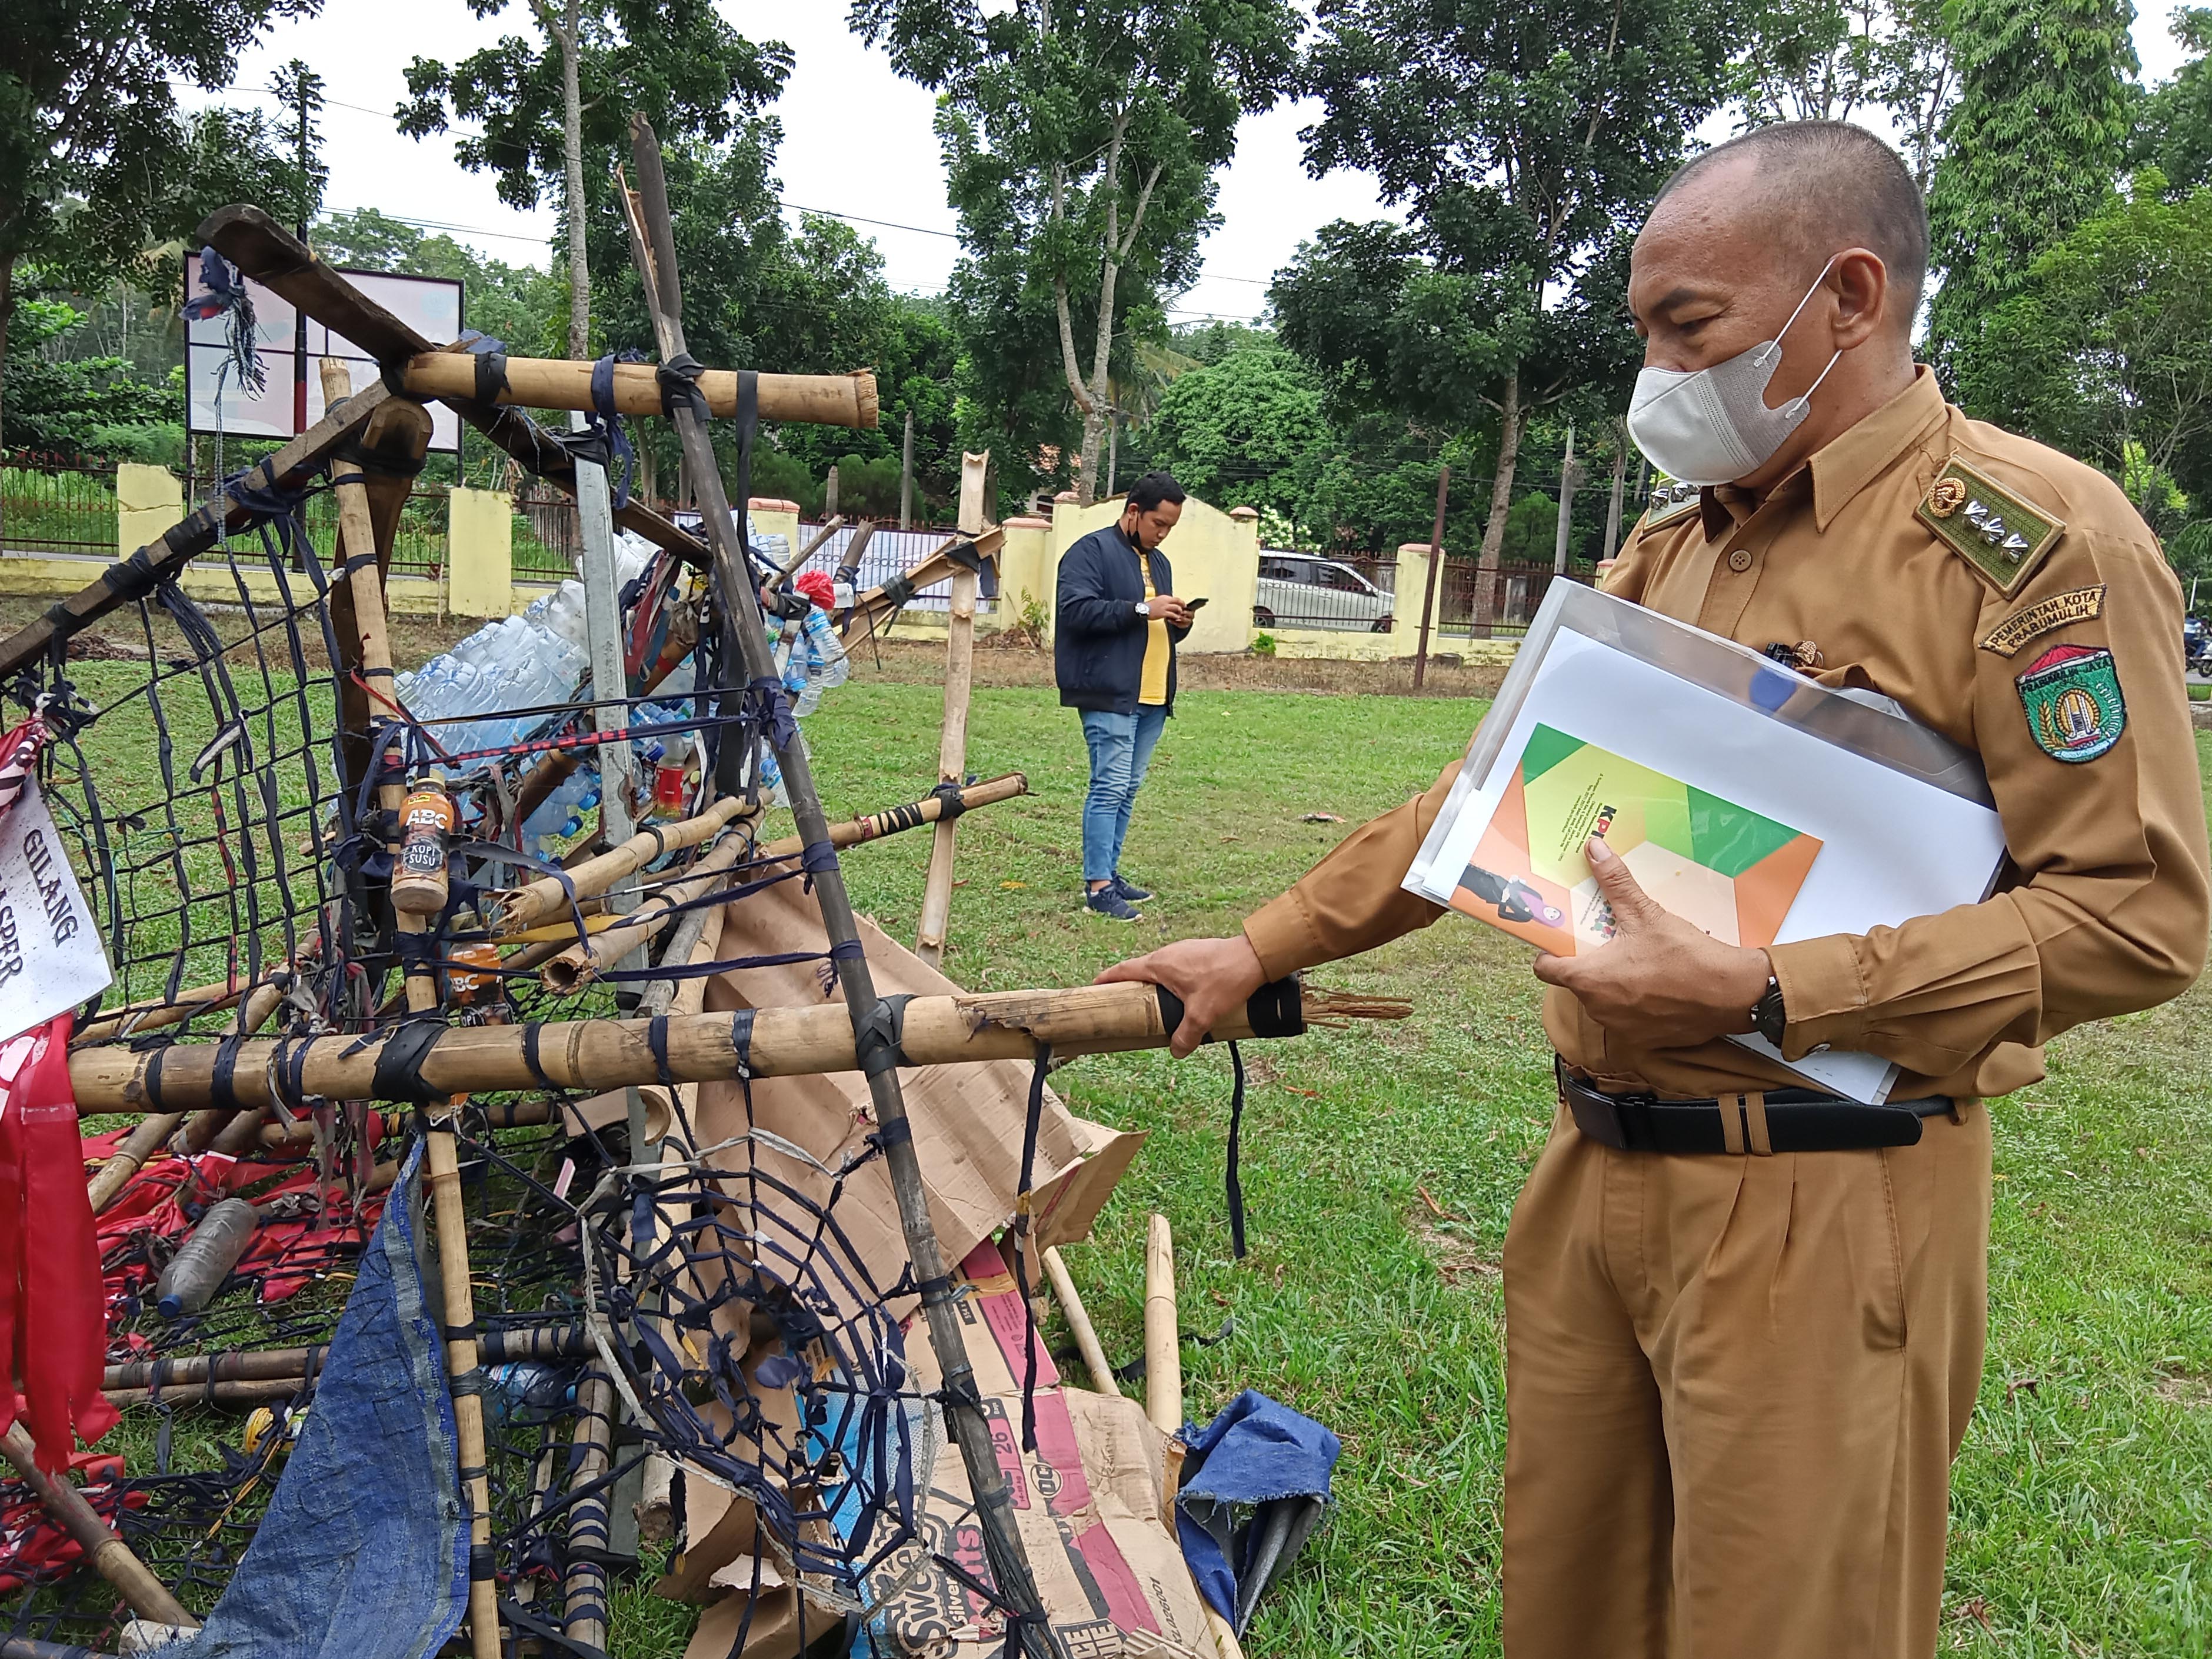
[857,142]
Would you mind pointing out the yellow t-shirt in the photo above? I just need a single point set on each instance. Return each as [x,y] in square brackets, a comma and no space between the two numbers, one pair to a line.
[1153,685]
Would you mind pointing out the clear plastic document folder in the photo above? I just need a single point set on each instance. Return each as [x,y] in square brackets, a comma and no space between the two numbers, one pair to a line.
[1746,798]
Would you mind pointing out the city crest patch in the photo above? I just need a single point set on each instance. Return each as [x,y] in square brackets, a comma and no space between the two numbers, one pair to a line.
[2071,694]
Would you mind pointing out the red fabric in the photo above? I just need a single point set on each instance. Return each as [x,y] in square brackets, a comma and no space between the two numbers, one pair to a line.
[56,1325]
[33,1548]
[817,586]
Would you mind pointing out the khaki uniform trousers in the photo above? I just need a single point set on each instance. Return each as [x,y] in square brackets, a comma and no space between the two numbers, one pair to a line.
[1734,1386]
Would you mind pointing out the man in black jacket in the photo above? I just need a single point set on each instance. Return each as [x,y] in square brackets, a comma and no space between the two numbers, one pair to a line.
[1117,625]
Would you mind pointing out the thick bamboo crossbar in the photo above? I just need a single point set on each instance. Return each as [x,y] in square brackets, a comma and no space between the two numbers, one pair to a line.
[596,1055]
[566,383]
[519,909]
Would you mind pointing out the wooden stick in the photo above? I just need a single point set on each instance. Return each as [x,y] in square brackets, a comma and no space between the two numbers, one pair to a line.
[1078,1322]
[357,543]
[596,1055]
[566,383]
[952,743]
[111,1558]
[930,808]
[813,545]
[879,605]
[579,965]
[520,909]
[653,246]
[1163,1337]
[129,1157]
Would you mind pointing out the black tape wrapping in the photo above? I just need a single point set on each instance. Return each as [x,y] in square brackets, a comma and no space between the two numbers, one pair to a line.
[400,1061]
[950,804]
[741,1040]
[878,1039]
[1276,1009]
[964,555]
[491,375]
[678,379]
[656,1038]
[223,1090]
[896,592]
[532,1034]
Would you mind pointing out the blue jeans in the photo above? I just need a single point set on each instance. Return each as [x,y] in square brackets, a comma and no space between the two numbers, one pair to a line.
[1121,749]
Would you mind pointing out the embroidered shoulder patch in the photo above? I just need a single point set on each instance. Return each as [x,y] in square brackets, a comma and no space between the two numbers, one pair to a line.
[1669,502]
[2076,605]
[1987,525]
[2071,696]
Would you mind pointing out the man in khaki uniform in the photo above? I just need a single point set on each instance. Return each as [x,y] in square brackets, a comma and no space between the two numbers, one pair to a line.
[1743,1338]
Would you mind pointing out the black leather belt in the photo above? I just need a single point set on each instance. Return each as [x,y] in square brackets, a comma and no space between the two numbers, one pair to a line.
[1779,1120]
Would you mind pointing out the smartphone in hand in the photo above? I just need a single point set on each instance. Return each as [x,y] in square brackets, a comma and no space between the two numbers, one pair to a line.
[1194,604]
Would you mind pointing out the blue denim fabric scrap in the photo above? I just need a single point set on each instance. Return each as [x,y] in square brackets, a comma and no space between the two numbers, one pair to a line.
[1254,1488]
[362,1554]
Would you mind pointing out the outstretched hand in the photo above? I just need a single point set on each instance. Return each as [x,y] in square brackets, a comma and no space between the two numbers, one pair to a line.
[1213,977]
[1661,983]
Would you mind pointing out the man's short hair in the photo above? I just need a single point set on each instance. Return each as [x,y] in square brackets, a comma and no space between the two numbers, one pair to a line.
[1149,491]
[1834,185]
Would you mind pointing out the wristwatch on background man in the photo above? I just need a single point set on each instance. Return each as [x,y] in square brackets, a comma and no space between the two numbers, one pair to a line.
[1767,1017]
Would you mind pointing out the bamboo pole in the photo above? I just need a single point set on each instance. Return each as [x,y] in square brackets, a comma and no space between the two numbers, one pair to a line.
[596,1055]
[579,965]
[1163,1338]
[111,1558]
[952,743]
[930,808]
[129,1157]
[564,1340]
[566,383]
[1164,1382]
[1078,1322]
[519,909]
[584,1607]
[653,246]
[358,542]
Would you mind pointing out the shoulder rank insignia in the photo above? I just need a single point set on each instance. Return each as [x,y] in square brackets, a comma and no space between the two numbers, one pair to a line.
[2071,696]
[1669,502]
[1988,526]
[2024,627]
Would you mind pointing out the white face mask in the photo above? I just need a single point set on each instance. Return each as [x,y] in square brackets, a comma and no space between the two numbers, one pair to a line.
[1710,425]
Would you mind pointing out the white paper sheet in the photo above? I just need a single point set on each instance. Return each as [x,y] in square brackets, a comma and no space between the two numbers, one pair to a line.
[50,955]
[1894,845]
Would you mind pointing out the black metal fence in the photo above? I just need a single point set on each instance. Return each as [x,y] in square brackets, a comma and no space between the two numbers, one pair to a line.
[1515,591]
[52,503]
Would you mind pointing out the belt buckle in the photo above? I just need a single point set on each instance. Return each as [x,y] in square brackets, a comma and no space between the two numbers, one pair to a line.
[1596,1116]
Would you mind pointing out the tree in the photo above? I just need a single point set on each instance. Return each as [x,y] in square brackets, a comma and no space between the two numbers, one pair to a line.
[2031,150]
[95,158]
[1526,140]
[2173,128]
[1829,60]
[1080,142]
[545,108]
[1247,431]
[2105,351]
[519,305]
[88,405]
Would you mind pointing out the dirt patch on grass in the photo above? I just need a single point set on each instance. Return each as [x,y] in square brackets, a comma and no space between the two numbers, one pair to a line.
[917,662]
[1459,1260]
[2192,1390]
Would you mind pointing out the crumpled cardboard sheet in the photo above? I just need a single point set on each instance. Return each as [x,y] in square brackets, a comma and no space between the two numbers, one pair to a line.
[968,1119]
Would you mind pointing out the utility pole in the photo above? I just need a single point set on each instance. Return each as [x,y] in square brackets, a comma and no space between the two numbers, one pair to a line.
[906,477]
[302,88]
[1566,506]
[1428,596]
[1619,483]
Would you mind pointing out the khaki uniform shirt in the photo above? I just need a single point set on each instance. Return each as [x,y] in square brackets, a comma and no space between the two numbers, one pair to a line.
[2102,906]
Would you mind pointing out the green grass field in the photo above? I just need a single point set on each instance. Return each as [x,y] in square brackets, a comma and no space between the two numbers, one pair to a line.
[1382,1164]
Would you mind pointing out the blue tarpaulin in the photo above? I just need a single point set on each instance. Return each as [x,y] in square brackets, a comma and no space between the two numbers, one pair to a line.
[1254,1486]
[363,1554]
